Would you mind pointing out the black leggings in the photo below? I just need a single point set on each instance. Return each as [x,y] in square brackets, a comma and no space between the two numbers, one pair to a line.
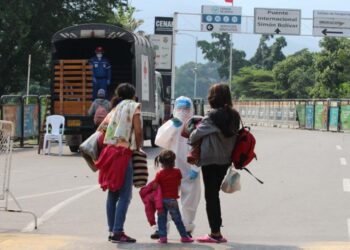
[213,176]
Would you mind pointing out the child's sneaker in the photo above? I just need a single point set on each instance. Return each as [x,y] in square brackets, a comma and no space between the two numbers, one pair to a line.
[163,240]
[186,240]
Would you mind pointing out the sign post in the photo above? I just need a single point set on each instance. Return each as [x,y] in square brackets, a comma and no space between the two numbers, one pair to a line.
[277,21]
[331,23]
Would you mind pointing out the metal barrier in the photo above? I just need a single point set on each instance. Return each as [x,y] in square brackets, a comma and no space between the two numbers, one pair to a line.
[198,104]
[6,145]
[26,113]
[321,114]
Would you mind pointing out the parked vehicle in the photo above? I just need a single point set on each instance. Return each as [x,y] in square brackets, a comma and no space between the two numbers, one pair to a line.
[132,60]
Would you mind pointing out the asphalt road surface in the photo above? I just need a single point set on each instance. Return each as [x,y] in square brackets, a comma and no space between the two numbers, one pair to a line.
[304,202]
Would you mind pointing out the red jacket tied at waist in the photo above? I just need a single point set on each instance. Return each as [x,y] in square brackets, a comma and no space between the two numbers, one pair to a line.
[112,164]
[152,198]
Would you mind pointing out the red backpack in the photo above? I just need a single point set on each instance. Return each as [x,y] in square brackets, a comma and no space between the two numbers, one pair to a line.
[243,152]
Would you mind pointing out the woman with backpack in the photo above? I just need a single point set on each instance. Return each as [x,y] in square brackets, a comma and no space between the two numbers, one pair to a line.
[218,132]
[122,129]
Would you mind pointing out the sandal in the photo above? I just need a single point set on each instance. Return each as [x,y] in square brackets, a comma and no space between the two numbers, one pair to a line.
[209,239]
[206,239]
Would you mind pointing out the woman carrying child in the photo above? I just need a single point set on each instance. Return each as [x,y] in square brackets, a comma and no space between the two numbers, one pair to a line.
[217,132]
[169,179]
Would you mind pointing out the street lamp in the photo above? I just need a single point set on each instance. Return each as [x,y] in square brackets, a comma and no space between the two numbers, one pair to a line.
[196,62]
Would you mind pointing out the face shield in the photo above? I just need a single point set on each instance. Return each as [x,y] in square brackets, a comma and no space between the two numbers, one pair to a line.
[183,108]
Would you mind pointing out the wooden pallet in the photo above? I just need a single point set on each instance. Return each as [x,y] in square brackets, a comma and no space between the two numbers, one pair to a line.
[73,87]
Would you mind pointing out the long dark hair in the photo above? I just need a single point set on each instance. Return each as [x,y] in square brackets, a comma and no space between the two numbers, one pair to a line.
[223,115]
[125,91]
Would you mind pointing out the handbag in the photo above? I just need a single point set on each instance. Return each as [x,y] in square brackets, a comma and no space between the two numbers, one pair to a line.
[140,173]
[231,182]
[90,151]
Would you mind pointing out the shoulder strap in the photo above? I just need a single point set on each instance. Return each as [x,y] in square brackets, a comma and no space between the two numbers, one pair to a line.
[246,169]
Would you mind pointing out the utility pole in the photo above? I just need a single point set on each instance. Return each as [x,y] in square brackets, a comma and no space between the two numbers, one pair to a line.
[230,69]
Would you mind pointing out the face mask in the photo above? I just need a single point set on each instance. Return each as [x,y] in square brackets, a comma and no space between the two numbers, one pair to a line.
[99,55]
[182,114]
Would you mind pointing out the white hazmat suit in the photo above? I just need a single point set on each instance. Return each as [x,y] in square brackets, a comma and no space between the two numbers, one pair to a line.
[169,137]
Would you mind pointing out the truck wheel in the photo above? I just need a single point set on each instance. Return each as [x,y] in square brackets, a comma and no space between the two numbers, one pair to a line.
[74,149]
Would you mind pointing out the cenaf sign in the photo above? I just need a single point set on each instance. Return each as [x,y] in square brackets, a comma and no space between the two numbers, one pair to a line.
[163,25]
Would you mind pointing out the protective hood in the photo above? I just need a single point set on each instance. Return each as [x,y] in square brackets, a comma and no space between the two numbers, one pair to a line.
[183,108]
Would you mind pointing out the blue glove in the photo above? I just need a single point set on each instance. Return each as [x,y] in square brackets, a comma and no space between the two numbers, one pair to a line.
[193,174]
[177,123]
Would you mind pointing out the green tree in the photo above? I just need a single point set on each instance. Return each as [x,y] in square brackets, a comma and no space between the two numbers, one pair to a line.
[295,75]
[124,17]
[219,51]
[26,27]
[206,75]
[267,56]
[253,83]
[332,67]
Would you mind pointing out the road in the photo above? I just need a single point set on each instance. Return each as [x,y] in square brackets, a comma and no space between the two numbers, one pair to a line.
[304,202]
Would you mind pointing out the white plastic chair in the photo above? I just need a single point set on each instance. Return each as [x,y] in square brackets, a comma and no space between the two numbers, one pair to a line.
[54,132]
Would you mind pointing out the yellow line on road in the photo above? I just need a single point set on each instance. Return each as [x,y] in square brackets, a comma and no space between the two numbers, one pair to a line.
[327,246]
[33,242]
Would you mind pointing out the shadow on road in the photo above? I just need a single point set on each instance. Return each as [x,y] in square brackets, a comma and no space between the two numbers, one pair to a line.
[228,246]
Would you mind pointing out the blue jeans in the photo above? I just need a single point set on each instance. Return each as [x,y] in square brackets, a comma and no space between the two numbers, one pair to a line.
[118,202]
[173,208]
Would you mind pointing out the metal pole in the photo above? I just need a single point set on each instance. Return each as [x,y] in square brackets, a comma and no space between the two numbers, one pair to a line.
[173,58]
[230,70]
[195,72]
[28,75]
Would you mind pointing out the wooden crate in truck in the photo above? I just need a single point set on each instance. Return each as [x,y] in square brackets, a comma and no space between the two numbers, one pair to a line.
[72,87]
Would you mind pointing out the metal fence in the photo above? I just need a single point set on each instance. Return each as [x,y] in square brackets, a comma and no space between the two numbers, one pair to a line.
[6,145]
[27,114]
[321,114]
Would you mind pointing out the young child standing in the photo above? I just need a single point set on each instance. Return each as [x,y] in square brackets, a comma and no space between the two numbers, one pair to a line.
[169,180]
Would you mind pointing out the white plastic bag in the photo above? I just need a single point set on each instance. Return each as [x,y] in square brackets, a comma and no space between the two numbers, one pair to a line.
[231,182]
[167,134]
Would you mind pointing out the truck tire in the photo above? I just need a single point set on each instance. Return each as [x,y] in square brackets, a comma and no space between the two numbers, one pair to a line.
[74,148]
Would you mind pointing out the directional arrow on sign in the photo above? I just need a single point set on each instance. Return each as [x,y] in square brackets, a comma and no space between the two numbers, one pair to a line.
[277,31]
[326,32]
[210,27]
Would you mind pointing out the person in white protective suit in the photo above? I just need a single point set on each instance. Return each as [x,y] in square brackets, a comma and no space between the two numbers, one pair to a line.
[169,137]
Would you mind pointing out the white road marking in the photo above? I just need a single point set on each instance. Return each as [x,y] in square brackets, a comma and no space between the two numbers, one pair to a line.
[53,192]
[343,161]
[346,185]
[55,209]
[339,147]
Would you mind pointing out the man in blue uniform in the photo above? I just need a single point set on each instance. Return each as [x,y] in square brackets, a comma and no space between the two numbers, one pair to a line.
[101,72]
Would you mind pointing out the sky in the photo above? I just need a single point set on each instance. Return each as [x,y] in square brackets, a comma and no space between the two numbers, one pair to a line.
[189,22]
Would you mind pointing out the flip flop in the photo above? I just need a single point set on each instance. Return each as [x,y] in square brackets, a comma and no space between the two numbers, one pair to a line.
[207,239]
